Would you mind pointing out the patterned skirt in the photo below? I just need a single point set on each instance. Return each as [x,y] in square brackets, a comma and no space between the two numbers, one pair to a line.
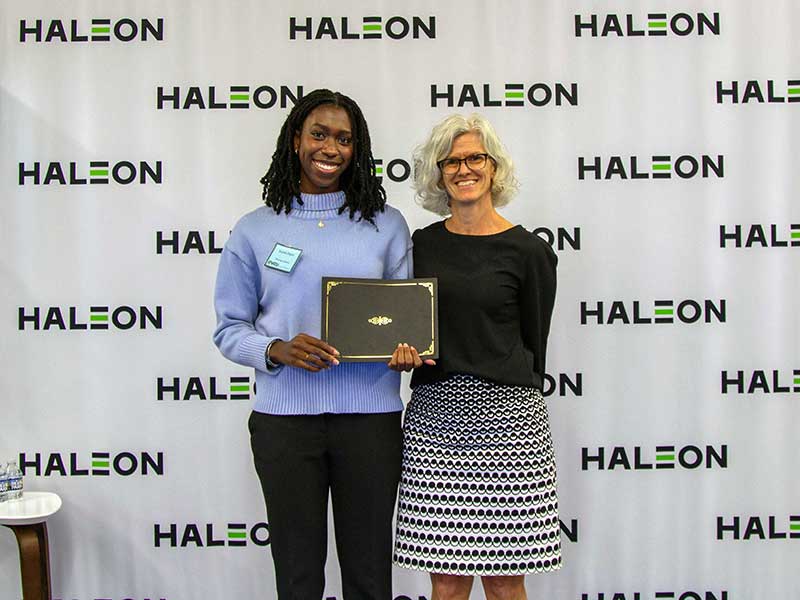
[478,486]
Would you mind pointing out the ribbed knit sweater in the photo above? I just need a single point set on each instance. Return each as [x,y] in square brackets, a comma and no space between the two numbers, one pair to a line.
[256,304]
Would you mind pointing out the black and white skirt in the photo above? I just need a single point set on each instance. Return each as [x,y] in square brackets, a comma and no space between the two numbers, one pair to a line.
[478,486]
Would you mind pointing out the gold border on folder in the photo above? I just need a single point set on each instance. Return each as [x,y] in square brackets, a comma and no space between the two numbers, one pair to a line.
[426,284]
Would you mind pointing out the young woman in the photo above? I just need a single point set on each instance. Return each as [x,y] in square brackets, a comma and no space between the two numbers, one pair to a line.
[317,426]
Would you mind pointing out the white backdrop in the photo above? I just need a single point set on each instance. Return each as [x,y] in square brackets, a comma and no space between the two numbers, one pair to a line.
[722,520]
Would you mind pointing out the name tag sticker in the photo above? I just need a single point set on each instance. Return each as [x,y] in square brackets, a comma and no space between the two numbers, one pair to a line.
[283,258]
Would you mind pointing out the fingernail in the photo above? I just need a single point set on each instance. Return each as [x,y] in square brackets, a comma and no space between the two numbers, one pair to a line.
[405,345]
[335,362]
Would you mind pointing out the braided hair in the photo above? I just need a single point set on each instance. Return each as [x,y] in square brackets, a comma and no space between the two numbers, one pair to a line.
[363,192]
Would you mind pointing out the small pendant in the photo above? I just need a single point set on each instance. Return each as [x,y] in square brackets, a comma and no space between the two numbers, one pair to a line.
[320,224]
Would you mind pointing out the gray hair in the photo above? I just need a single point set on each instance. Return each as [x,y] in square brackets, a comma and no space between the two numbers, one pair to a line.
[430,192]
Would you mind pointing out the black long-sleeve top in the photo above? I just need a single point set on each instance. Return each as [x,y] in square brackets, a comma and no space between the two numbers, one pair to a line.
[496,295]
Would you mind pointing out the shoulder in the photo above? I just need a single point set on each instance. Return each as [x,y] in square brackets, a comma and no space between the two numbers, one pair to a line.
[249,228]
[255,219]
[534,247]
[391,216]
[431,232]
[392,222]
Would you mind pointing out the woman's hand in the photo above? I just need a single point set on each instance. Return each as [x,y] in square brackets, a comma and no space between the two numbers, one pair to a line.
[304,352]
[405,358]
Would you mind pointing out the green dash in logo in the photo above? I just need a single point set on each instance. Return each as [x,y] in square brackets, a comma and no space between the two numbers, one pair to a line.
[662,167]
[665,457]
[657,24]
[372,28]
[240,388]
[237,536]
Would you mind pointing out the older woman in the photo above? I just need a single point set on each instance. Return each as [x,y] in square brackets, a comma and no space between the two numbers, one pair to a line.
[478,484]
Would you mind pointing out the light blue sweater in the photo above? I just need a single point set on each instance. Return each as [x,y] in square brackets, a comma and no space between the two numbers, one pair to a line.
[256,304]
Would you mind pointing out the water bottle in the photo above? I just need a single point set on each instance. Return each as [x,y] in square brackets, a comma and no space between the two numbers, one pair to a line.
[3,483]
[14,476]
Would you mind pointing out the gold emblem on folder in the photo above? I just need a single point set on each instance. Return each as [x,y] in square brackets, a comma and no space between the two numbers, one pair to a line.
[380,320]
[361,316]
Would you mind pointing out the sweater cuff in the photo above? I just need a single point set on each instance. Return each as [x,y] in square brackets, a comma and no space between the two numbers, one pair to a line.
[252,352]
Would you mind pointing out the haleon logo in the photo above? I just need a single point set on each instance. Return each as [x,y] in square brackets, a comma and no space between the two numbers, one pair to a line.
[96,172]
[232,97]
[690,595]
[758,528]
[562,385]
[371,28]
[625,312]
[665,457]
[560,238]
[195,241]
[95,464]
[760,381]
[759,235]
[509,94]
[92,30]
[204,388]
[189,242]
[654,24]
[752,91]
[48,318]
[209,535]
[661,166]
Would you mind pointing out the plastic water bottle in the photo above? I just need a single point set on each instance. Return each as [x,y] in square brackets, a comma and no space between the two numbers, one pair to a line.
[14,476]
[3,483]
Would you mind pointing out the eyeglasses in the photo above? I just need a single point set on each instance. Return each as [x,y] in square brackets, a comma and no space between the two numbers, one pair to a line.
[476,162]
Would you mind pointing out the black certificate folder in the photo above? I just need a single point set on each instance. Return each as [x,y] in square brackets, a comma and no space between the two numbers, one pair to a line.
[365,319]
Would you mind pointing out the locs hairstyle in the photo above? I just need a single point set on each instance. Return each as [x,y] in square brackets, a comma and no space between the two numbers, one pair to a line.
[363,192]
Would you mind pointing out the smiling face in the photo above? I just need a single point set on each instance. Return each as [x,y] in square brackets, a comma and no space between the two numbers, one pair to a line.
[324,148]
[469,185]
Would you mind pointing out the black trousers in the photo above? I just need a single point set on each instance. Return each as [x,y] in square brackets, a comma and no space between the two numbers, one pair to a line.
[299,459]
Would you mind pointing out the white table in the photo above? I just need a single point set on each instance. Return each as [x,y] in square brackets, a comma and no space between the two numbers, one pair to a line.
[27,517]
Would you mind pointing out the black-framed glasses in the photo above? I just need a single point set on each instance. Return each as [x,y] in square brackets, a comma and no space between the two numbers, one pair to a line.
[476,162]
